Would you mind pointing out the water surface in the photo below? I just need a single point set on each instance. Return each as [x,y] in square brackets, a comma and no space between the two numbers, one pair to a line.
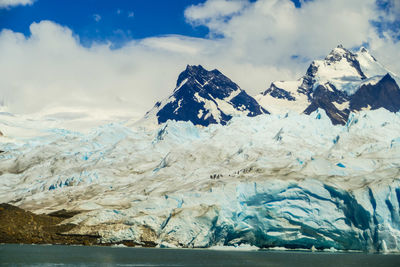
[38,255]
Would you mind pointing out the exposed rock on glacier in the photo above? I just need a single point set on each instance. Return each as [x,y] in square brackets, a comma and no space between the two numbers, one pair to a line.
[291,180]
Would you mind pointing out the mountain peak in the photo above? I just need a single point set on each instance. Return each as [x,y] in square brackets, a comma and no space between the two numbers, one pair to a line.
[194,69]
[363,50]
[190,71]
[338,53]
[198,74]
[205,97]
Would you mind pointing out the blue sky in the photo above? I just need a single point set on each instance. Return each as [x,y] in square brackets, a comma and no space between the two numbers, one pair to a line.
[99,20]
[120,54]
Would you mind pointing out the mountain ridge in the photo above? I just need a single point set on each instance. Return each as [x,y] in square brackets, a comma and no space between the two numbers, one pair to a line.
[341,83]
[333,84]
[205,97]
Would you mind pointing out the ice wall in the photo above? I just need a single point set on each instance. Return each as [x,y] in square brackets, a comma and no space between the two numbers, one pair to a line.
[291,181]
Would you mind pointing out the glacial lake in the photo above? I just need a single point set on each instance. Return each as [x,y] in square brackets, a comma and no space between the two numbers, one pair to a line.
[57,255]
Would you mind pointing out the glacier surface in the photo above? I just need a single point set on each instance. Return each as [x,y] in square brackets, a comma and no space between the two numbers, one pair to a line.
[290,180]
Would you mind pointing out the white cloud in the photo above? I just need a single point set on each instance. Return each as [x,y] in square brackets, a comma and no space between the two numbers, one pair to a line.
[97,17]
[50,68]
[12,3]
[273,30]
[213,10]
[131,14]
[250,42]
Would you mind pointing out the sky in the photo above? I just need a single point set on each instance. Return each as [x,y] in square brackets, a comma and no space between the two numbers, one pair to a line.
[120,57]
[118,21]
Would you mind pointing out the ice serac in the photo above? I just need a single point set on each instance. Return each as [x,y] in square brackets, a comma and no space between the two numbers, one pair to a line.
[341,83]
[205,97]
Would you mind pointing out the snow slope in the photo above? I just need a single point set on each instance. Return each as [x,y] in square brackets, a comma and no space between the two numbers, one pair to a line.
[288,180]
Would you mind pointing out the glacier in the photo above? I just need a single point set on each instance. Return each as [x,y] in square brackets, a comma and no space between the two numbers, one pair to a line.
[290,180]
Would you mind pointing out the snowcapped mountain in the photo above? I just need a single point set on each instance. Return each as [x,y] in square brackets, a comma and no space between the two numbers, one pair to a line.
[205,97]
[340,83]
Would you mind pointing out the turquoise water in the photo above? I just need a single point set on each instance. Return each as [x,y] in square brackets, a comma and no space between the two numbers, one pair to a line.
[37,255]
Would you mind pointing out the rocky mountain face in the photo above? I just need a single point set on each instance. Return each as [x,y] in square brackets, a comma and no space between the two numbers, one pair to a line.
[341,83]
[205,97]
[384,94]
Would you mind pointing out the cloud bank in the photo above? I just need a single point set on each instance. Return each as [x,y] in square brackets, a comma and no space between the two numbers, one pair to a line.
[12,3]
[253,43]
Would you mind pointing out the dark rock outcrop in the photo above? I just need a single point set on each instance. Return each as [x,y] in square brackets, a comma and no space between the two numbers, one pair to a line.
[325,99]
[384,94]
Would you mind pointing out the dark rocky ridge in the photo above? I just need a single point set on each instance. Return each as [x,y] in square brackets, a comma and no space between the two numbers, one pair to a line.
[196,82]
[279,93]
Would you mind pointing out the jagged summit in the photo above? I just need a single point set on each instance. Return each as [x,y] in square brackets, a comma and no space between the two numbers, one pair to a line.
[340,83]
[196,78]
[338,53]
[205,97]
[196,72]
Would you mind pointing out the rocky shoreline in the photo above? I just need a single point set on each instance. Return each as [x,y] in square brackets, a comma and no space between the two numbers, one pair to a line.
[18,226]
